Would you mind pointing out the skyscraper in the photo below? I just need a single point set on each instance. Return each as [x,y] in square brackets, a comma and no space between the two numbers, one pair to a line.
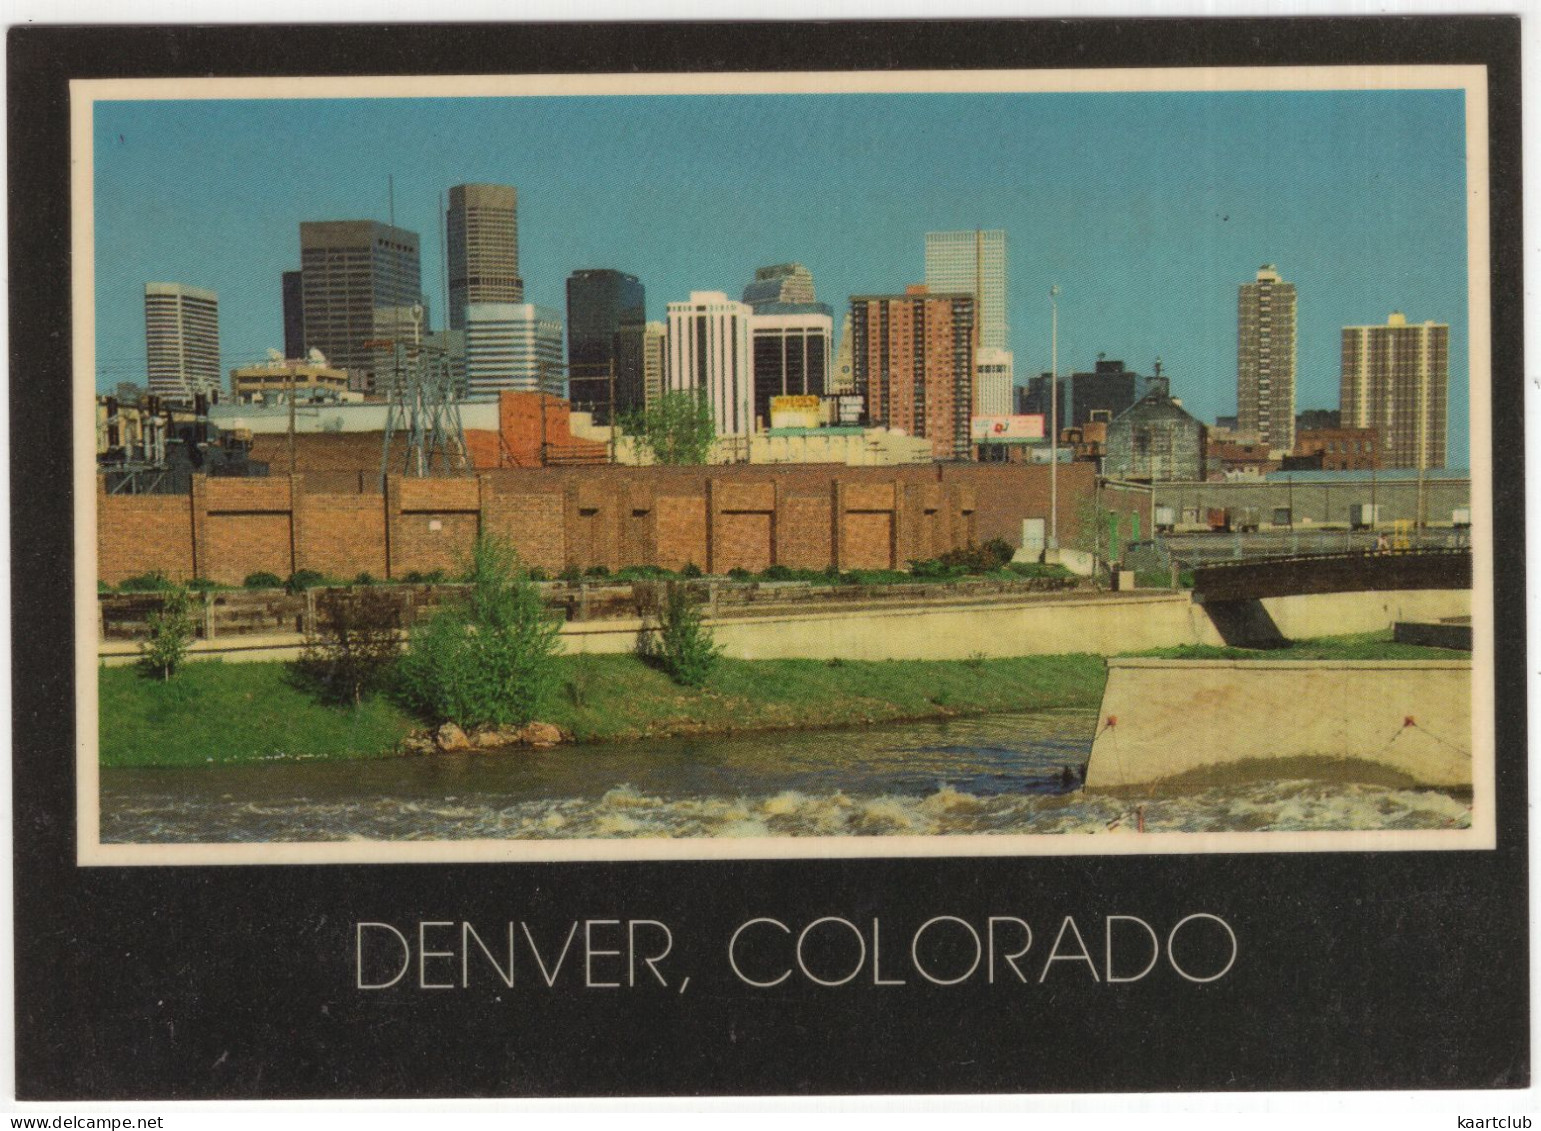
[781,284]
[1265,360]
[606,310]
[655,356]
[913,357]
[512,346]
[481,235]
[1396,379]
[294,314]
[181,337]
[709,354]
[992,382]
[361,284]
[842,378]
[791,357]
[972,263]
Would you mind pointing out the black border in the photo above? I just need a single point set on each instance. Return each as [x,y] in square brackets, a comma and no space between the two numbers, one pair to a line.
[1358,970]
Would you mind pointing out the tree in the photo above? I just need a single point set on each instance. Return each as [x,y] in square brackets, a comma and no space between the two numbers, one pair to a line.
[489,660]
[171,633]
[677,429]
[683,646]
[354,645]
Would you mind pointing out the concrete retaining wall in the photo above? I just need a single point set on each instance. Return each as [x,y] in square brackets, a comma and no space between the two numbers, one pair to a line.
[1105,624]
[1200,722]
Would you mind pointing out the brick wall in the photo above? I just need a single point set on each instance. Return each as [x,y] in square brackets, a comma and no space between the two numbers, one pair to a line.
[805,516]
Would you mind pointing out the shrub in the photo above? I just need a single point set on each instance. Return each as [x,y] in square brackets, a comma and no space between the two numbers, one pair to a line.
[570,573]
[417,577]
[171,634]
[354,645]
[537,575]
[682,646]
[202,585]
[263,580]
[691,570]
[597,571]
[303,579]
[490,658]
[364,578]
[155,582]
[738,573]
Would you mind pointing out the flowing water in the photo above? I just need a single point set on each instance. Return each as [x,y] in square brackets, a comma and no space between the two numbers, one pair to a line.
[1013,773]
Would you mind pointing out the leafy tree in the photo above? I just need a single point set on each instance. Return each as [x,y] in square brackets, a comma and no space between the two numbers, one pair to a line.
[171,633]
[489,659]
[682,646]
[354,645]
[677,429]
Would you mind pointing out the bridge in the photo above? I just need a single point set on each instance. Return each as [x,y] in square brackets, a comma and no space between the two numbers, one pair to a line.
[1354,572]
[1233,594]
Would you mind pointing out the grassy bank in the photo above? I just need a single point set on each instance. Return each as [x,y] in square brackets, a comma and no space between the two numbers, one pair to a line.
[1359,646]
[224,713]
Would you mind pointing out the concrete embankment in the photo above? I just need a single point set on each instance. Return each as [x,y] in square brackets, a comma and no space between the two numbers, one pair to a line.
[1194,723]
[1100,623]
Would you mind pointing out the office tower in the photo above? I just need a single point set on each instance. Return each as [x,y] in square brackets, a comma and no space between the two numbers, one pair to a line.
[972,263]
[992,382]
[181,337]
[842,378]
[1396,379]
[1108,388]
[514,346]
[294,314]
[1265,360]
[709,354]
[605,313]
[780,285]
[791,357]
[1035,399]
[362,288]
[913,359]
[481,239]
[655,356]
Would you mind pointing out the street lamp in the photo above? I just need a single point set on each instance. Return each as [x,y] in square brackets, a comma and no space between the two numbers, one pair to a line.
[1054,417]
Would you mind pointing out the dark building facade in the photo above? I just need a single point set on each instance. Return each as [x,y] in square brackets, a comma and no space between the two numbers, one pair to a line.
[913,362]
[606,313]
[294,314]
[1109,388]
[361,281]
[1155,440]
[790,352]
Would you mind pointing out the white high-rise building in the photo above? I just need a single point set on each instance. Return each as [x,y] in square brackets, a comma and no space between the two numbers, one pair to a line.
[655,344]
[513,346]
[972,263]
[181,333]
[992,383]
[709,352]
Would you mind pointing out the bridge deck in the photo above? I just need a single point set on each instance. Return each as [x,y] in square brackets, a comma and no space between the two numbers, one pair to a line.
[1334,573]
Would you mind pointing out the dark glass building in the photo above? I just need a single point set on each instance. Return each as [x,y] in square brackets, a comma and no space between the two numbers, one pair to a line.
[606,313]
[294,314]
[1109,388]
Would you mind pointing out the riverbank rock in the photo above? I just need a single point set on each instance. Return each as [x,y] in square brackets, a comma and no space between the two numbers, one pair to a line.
[537,735]
[540,734]
[450,737]
[418,743]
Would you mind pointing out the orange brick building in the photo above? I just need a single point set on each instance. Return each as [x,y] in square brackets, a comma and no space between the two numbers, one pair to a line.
[913,360]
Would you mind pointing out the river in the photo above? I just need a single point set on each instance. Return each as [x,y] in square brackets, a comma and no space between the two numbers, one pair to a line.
[992,774]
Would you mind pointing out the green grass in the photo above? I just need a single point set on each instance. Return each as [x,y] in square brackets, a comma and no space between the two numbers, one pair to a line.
[212,712]
[223,713]
[1359,646]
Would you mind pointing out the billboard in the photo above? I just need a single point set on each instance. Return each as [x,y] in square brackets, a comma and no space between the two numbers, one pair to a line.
[1006,429]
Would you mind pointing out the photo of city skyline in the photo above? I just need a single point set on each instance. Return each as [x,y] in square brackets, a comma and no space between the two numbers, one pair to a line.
[787,470]
[1146,209]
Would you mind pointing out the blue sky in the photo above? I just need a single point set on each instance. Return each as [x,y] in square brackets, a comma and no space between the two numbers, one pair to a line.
[1147,209]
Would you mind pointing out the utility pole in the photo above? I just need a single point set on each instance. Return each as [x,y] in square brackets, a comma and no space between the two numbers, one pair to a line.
[291,417]
[1054,417]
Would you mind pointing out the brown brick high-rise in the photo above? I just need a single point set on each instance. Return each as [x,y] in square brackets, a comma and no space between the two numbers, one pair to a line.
[913,361]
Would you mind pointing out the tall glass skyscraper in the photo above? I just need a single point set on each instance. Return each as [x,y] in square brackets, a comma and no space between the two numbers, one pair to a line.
[362,283]
[973,263]
[481,239]
[606,312]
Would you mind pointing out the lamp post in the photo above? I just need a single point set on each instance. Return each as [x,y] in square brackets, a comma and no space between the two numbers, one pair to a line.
[1054,417]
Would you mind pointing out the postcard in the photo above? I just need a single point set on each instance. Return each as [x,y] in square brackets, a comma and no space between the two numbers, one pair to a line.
[1025,527]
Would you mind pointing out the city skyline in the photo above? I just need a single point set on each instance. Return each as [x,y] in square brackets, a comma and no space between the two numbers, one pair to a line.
[1096,189]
